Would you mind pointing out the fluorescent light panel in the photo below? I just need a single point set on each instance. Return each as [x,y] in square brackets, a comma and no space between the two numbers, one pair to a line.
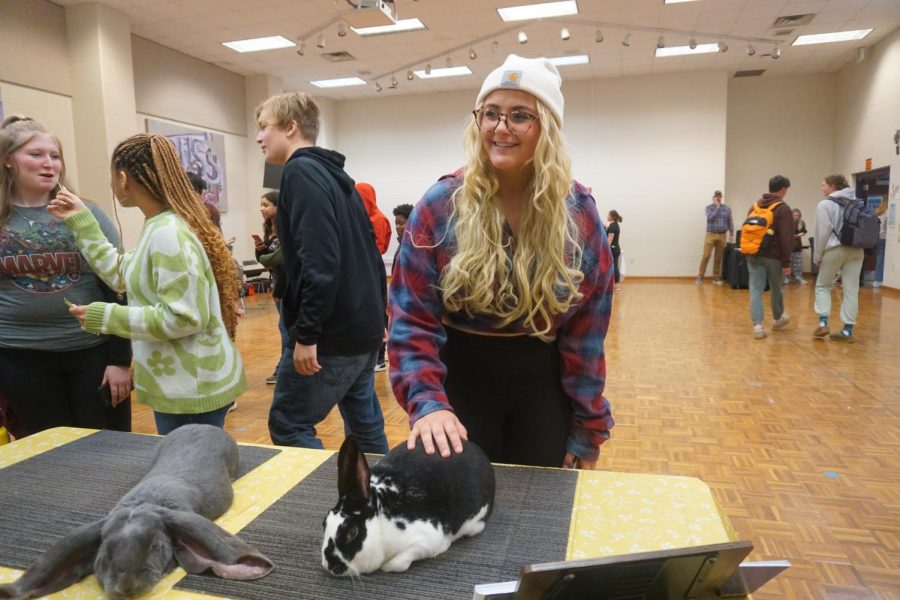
[682,50]
[341,82]
[678,1]
[836,36]
[445,72]
[564,61]
[258,44]
[539,11]
[402,25]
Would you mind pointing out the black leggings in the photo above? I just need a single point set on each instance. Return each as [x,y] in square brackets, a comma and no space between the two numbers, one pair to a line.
[507,392]
[47,389]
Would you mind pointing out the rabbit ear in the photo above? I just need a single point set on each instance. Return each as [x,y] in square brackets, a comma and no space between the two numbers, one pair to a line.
[353,472]
[199,544]
[68,561]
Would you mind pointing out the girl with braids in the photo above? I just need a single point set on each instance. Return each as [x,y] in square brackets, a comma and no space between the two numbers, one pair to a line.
[501,297]
[186,367]
[50,370]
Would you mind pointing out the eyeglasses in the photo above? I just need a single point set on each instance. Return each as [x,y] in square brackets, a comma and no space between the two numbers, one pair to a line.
[518,122]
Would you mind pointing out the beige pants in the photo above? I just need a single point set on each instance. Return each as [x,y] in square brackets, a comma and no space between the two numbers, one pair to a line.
[717,241]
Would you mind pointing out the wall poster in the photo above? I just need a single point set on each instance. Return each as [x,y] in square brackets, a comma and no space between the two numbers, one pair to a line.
[201,152]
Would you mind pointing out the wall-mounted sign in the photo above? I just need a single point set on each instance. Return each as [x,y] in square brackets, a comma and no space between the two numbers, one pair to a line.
[868,164]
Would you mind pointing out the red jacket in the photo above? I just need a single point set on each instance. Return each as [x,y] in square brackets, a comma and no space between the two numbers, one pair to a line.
[380,223]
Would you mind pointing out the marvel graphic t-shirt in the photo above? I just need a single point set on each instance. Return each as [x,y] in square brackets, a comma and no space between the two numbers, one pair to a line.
[40,266]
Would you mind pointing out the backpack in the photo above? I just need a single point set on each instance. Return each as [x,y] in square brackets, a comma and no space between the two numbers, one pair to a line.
[756,232]
[860,226]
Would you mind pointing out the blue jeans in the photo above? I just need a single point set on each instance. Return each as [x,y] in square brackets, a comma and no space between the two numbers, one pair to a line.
[167,422]
[761,269]
[301,402]
[282,329]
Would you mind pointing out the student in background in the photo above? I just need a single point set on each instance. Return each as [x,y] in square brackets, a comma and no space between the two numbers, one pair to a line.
[834,258]
[401,216]
[181,274]
[382,229]
[268,254]
[719,231]
[613,230]
[50,370]
[773,261]
[797,252]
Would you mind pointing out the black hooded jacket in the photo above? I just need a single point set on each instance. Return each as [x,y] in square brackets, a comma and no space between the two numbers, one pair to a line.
[335,276]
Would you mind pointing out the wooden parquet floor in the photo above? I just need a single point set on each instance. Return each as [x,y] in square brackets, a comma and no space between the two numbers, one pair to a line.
[798,438]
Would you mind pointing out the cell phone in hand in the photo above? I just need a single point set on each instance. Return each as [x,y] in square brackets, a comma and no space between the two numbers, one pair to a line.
[256,238]
[105,395]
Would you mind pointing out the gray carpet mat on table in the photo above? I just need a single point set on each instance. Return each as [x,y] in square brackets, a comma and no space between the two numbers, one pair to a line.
[47,496]
[530,524]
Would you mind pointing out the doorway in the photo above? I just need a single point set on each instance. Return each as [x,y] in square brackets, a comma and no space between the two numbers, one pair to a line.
[872,187]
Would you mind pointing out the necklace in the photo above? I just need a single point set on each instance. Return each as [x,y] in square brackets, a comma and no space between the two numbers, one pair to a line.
[31,222]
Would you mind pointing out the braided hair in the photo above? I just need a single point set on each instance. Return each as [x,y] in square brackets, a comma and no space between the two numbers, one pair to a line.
[153,162]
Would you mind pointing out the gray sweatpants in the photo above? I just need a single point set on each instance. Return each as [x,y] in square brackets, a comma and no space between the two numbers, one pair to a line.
[848,262]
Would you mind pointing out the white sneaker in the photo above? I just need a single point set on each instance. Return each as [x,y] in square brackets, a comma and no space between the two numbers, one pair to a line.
[780,323]
[758,331]
[699,279]
[233,406]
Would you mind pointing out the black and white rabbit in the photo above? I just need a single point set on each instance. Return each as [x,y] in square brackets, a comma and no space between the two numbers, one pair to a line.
[410,506]
[164,519]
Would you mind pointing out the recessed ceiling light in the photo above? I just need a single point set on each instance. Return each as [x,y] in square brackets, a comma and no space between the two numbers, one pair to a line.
[340,82]
[837,36]
[257,44]
[564,61]
[682,50]
[402,25]
[539,11]
[447,72]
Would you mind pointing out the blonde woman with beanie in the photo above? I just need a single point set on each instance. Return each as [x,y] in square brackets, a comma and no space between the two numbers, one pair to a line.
[500,301]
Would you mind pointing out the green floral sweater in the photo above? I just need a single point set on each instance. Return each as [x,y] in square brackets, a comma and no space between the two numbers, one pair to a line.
[184,361]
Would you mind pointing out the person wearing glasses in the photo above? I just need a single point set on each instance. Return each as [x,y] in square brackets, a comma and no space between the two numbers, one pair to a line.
[501,297]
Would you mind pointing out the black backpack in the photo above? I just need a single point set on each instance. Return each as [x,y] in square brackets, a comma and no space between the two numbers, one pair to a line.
[859,228]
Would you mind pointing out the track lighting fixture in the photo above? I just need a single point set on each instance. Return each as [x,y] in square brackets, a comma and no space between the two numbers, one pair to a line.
[598,37]
[472,54]
[627,41]
[564,34]
[377,87]
[393,82]
[449,62]
[776,52]
[301,48]
[495,45]
[523,39]
[750,49]
[428,68]
[409,75]
[321,42]
[342,30]
[661,42]
[723,47]
[693,44]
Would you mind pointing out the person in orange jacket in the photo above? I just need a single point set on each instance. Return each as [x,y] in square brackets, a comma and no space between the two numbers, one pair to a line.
[380,223]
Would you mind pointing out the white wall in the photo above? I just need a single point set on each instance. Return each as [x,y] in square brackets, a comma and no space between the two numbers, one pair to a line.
[173,85]
[867,115]
[779,125]
[652,148]
[34,50]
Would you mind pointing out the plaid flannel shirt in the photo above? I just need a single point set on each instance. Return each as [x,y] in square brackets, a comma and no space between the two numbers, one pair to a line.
[417,313]
[718,219]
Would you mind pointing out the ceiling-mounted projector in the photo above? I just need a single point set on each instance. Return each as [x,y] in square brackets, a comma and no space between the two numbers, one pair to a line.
[370,13]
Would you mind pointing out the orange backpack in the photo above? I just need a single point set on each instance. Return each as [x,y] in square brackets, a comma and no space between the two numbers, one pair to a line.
[757,232]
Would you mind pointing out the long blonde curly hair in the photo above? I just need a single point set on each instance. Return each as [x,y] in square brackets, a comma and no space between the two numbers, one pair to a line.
[153,162]
[540,278]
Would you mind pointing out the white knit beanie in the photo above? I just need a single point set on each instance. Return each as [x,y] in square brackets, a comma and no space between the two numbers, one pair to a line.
[537,76]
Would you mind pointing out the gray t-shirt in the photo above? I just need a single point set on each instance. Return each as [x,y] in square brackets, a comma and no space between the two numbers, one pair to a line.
[40,264]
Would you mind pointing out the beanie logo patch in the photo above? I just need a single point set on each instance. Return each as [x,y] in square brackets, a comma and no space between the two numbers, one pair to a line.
[511,79]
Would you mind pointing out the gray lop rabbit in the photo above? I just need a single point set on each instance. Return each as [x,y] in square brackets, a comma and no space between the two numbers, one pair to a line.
[165,518]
